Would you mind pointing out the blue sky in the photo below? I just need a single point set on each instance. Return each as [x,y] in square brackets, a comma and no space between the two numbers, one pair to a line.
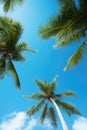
[43,65]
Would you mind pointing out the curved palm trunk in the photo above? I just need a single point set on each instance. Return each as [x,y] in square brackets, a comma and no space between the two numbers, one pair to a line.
[65,127]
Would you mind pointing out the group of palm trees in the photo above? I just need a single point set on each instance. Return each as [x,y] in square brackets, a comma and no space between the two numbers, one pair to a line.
[68,26]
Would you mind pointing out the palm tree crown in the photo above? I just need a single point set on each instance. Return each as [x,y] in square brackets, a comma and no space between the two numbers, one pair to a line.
[69,25]
[45,101]
[9,4]
[10,50]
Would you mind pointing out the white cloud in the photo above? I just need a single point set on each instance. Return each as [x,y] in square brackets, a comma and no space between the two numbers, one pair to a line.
[48,124]
[80,124]
[31,124]
[19,121]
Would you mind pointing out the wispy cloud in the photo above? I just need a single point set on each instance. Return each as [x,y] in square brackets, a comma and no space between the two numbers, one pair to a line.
[19,121]
[31,124]
[80,124]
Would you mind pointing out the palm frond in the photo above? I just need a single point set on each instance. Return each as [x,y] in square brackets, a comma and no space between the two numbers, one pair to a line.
[6,5]
[51,28]
[52,116]
[42,85]
[34,109]
[3,32]
[23,47]
[17,56]
[2,68]
[77,22]
[68,107]
[12,70]
[11,31]
[44,114]
[53,83]
[59,22]
[69,5]
[66,94]
[9,4]
[15,32]
[76,57]
[35,96]
[31,51]
[69,37]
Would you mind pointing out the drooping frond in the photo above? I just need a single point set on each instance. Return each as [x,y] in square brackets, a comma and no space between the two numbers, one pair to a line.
[42,85]
[69,37]
[12,70]
[9,4]
[6,5]
[17,56]
[44,114]
[23,47]
[51,28]
[65,94]
[76,57]
[34,109]
[58,22]
[68,107]
[35,96]
[2,68]
[52,116]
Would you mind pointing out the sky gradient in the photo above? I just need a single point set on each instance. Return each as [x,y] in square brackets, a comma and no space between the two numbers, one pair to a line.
[44,65]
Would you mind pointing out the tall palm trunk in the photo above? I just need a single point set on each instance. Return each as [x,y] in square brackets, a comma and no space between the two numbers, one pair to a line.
[65,127]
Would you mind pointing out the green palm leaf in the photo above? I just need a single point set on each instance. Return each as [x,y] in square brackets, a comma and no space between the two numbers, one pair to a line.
[42,85]
[36,96]
[15,33]
[53,83]
[20,47]
[2,68]
[23,47]
[17,56]
[12,70]
[51,28]
[76,57]
[34,109]
[66,94]
[9,4]
[10,32]
[52,117]
[68,107]
[69,38]
[44,114]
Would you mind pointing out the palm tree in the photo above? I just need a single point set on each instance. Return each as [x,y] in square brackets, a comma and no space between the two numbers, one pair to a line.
[47,98]
[69,26]
[10,50]
[9,4]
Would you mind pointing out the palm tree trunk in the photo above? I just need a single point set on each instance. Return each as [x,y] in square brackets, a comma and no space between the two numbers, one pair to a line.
[65,127]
